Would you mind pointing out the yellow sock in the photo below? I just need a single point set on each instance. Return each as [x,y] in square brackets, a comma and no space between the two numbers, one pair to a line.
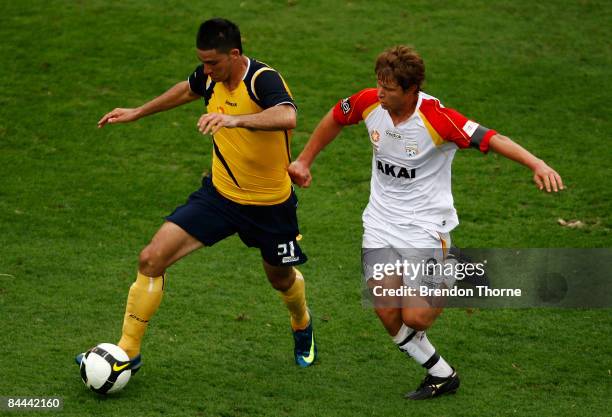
[143,300]
[295,300]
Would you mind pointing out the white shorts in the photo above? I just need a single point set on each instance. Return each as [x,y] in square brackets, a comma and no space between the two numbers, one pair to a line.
[416,250]
[376,236]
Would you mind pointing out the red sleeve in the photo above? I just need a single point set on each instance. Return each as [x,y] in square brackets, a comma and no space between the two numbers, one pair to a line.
[455,127]
[349,111]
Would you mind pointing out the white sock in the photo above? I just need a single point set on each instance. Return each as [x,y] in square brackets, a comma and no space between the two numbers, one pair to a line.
[435,364]
[418,347]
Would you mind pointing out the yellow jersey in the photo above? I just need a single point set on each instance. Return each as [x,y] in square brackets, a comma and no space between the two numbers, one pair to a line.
[249,166]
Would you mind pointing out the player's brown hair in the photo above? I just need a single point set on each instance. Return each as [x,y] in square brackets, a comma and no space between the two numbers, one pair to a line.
[402,65]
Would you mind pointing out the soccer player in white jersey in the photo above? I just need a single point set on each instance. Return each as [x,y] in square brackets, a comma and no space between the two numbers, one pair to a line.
[414,139]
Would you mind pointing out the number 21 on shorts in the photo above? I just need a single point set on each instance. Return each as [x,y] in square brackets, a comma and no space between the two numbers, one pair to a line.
[286,249]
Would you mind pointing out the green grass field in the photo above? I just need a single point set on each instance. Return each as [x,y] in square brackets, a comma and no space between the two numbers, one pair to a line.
[77,204]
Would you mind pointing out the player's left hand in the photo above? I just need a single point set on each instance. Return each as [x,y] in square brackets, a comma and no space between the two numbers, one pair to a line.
[547,178]
[212,122]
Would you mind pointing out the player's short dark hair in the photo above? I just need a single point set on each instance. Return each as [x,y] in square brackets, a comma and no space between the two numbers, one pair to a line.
[401,64]
[219,34]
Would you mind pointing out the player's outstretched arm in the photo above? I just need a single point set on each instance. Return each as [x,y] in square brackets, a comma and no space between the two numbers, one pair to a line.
[175,96]
[325,132]
[544,176]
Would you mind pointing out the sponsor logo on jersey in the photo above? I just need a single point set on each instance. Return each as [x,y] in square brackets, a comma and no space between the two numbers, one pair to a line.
[345,105]
[395,171]
[393,134]
[470,127]
[229,103]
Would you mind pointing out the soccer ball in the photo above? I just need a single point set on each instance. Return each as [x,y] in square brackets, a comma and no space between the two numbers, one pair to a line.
[105,368]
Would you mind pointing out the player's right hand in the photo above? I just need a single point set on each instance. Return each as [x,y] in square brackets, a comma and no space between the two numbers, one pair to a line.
[300,173]
[119,116]
[547,178]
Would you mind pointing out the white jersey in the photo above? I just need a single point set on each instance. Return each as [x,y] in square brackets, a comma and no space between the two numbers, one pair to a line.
[411,162]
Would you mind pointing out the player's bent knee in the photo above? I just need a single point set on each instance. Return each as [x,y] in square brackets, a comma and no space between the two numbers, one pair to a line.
[151,262]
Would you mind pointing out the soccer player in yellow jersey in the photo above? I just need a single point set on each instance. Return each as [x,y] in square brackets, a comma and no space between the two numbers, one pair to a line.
[250,114]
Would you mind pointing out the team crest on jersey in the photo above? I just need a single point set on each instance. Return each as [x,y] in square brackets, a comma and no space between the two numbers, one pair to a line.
[345,105]
[412,150]
[374,138]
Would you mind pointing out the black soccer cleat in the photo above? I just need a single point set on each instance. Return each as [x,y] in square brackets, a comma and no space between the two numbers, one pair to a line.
[434,386]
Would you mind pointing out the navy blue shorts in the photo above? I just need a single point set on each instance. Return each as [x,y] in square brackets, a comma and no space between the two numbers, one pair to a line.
[210,218]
